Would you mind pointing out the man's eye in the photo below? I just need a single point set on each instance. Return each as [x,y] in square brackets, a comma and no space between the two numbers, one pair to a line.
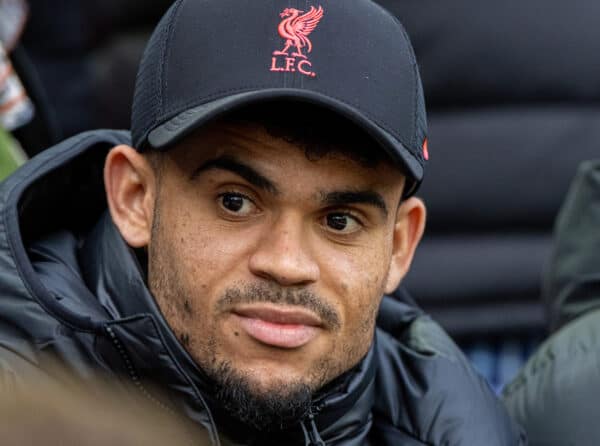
[236,203]
[343,223]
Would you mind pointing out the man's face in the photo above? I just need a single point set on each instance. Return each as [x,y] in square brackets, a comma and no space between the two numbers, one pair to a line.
[267,265]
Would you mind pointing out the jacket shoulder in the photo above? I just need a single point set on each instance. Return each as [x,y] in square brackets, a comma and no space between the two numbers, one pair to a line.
[428,388]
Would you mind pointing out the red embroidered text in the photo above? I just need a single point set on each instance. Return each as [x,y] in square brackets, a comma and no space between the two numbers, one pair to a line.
[294,29]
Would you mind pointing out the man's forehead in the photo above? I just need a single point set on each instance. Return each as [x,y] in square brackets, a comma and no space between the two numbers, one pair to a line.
[276,166]
[244,141]
[260,136]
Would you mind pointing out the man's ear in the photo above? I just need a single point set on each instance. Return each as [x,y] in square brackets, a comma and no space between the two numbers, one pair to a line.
[408,230]
[131,188]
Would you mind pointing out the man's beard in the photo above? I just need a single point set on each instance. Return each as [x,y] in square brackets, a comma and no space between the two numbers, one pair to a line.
[283,403]
[274,408]
[278,408]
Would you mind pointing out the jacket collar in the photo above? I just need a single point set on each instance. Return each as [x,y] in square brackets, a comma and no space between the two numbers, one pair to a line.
[112,272]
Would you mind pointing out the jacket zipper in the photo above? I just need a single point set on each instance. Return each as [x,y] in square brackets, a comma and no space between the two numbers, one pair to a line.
[136,379]
[311,433]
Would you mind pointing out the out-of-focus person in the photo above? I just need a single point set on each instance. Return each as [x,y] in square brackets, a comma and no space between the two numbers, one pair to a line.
[555,394]
[69,412]
[16,109]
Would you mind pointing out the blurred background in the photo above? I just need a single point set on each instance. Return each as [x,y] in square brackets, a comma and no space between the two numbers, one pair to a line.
[512,91]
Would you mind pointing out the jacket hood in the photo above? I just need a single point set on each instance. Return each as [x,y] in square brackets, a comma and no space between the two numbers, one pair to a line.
[58,189]
[572,279]
[70,287]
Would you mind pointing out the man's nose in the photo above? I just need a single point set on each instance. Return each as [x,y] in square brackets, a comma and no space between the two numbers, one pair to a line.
[283,254]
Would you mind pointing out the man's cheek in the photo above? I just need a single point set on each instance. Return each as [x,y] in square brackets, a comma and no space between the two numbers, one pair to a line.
[362,291]
[364,270]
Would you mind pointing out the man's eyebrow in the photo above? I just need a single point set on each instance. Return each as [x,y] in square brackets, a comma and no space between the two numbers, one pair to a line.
[340,198]
[243,170]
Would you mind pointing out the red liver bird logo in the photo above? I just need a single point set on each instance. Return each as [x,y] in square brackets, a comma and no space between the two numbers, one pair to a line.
[295,28]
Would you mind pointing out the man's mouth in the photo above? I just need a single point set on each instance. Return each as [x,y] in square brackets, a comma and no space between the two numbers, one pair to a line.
[277,326]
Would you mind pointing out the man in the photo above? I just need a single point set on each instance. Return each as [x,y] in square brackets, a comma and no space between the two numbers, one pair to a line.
[554,395]
[236,249]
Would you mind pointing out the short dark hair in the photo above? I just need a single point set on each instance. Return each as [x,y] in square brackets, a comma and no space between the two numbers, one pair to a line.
[317,130]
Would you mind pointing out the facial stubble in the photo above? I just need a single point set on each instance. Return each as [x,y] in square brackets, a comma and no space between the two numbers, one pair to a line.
[283,402]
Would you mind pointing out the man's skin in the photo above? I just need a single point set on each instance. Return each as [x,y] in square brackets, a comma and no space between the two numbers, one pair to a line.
[262,263]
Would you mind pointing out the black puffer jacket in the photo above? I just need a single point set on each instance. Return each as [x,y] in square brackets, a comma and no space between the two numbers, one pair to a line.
[70,287]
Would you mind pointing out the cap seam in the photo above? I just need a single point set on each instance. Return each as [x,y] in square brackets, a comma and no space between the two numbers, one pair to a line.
[163,82]
[222,93]
[417,79]
[416,142]
[406,36]
[416,104]
[160,77]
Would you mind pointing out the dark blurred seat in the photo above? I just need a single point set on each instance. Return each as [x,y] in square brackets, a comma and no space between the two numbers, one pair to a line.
[512,90]
[86,54]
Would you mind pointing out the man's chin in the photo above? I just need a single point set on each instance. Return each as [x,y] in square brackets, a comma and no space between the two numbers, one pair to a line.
[263,405]
[275,377]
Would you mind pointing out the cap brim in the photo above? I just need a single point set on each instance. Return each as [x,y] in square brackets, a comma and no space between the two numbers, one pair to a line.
[168,133]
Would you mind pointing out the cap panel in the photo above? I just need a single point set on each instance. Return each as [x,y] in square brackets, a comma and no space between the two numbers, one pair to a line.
[208,56]
[219,48]
[148,97]
[353,58]
[368,63]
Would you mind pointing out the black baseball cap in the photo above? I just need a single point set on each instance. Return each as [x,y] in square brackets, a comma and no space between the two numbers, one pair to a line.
[209,57]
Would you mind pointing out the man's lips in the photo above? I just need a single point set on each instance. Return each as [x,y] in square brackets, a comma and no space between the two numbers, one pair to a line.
[284,327]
